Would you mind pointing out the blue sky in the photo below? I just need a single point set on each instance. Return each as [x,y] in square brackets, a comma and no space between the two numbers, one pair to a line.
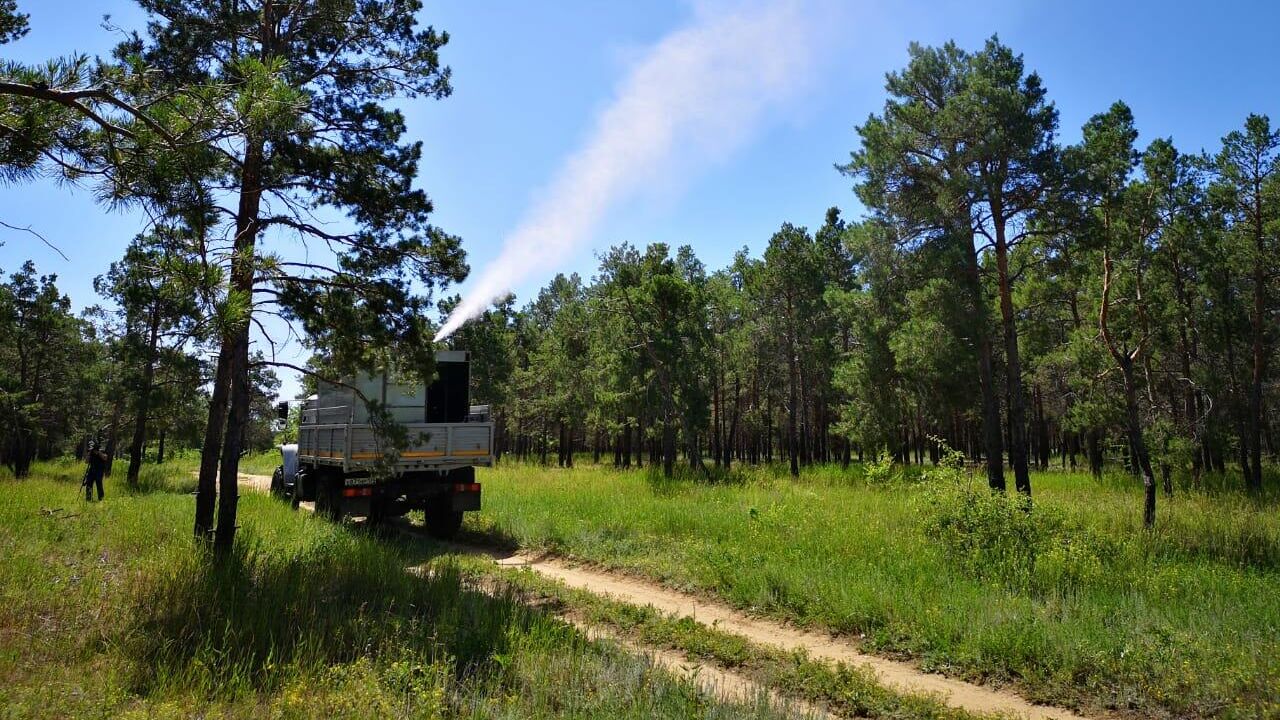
[531,78]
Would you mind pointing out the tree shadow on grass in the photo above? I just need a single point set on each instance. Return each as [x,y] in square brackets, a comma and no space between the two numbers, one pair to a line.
[259,618]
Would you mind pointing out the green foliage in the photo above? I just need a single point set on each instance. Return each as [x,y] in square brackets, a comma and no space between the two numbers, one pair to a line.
[13,24]
[49,398]
[662,303]
[881,471]
[287,109]
[994,536]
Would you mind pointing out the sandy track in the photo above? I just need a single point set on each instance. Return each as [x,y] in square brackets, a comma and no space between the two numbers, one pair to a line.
[717,681]
[898,675]
[261,483]
[712,679]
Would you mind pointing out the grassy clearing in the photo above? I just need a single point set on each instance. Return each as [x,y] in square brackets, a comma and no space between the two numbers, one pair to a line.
[108,610]
[254,463]
[1098,614]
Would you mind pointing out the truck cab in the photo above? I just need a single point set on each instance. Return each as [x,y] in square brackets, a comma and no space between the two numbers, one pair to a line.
[348,467]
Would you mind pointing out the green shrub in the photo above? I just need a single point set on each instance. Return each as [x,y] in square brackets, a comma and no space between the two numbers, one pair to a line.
[1004,537]
[881,471]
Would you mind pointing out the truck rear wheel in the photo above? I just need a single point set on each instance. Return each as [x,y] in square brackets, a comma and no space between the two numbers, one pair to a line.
[277,482]
[443,523]
[296,498]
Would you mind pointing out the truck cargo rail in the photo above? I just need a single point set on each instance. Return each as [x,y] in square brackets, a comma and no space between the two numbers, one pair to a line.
[431,445]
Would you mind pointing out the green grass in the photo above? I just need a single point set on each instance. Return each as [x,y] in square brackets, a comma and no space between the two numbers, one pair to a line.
[111,610]
[254,463]
[1181,621]
[263,463]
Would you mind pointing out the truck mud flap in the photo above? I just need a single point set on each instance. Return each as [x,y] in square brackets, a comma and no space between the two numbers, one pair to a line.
[465,501]
[359,506]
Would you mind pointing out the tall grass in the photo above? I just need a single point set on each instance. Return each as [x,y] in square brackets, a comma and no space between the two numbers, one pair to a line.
[111,610]
[1179,621]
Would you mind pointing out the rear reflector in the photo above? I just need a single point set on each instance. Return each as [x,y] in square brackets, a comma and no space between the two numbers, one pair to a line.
[357,492]
[466,487]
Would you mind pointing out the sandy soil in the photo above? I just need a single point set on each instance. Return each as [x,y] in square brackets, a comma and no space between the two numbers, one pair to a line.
[261,483]
[257,483]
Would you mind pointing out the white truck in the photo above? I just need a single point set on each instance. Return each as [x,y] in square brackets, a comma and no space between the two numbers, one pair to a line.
[345,465]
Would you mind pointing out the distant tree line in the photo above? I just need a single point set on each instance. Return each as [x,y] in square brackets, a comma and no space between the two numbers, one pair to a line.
[129,380]
[1019,299]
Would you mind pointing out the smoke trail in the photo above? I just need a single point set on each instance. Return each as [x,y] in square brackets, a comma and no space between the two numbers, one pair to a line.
[701,91]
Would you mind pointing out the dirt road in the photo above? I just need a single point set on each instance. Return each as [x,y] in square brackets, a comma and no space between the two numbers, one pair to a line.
[899,675]
[258,483]
[261,483]
[710,678]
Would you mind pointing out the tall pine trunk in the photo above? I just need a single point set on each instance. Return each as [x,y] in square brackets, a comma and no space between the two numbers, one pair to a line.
[731,436]
[206,484]
[232,442]
[236,345]
[144,399]
[668,447]
[991,439]
[1139,457]
[1254,477]
[113,433]
[792,362]
[1138,443]
[1013,361]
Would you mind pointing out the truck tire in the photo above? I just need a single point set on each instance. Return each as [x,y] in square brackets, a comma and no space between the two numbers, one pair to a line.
[277,482]
[443,523]
[296,498]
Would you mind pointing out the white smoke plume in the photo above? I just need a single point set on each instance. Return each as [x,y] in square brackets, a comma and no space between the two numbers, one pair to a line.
[696,95]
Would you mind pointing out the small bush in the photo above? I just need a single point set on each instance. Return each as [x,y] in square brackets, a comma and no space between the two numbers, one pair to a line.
[881,471]
[1003,537]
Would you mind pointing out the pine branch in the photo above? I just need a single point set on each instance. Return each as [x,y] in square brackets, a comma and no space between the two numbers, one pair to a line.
[42,238]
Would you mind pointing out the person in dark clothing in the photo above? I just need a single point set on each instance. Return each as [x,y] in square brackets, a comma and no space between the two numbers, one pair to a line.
[97,461]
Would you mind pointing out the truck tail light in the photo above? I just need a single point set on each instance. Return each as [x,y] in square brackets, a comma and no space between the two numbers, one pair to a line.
[357,492]
[466,487]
